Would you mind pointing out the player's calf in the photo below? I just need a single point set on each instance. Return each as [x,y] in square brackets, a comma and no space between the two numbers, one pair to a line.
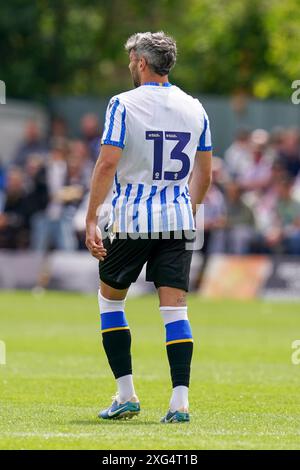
[116,339]
[179,344]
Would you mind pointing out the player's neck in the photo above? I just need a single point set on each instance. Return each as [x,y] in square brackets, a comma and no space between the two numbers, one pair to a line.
[154,78]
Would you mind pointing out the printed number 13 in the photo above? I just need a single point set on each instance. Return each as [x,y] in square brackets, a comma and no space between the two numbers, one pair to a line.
[176,154]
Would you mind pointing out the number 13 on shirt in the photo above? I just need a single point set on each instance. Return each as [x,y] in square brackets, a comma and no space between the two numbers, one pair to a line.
[177,153]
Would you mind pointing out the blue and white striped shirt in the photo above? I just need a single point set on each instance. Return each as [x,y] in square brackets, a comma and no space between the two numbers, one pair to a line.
[159,128]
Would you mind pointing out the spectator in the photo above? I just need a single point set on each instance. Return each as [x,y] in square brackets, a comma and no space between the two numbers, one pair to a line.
[258,174]
[91,134]
[220,173]
[75,185]
[75,192]
[2,177]
[51,229]
[265,204]
[240,224]
[14,229]
[2,184]
[80,150]
[214,214]
[238,156]
[58,130]
[33,143]
[296,188]
[214,218]
[284,233]
[289,154]
[275,142]
[37,192]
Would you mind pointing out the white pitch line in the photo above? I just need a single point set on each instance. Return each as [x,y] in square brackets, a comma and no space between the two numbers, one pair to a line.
[70,435]
[49,435]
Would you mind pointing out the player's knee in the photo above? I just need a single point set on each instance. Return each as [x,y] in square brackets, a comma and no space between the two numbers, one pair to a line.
[172,296]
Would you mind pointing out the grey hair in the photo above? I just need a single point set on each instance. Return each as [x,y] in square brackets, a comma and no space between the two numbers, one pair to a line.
[158,49]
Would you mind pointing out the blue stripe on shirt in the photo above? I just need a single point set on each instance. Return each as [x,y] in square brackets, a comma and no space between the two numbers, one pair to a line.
[203,135]
[149,207]
[115,143]
[188,204]
[177,207]
[202,142]
[114,201]
[164,214]
[136,207]
[123,129]
[111,122]
[123,208]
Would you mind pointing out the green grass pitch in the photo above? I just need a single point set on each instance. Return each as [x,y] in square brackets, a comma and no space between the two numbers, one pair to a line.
[245,391]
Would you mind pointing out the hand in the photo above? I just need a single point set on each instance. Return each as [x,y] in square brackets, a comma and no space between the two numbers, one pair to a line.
[93,241]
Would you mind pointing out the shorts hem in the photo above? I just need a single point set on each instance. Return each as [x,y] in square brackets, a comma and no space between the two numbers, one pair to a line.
[175,285]
[114,284]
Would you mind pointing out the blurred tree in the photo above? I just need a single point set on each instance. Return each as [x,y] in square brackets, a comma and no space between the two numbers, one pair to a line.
[76,46]
[224,45]
[282,23]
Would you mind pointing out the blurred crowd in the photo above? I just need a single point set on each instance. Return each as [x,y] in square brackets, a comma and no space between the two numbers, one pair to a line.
[44,189]
[253,205]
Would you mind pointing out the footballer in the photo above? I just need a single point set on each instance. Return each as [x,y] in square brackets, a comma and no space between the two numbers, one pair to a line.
[156,154]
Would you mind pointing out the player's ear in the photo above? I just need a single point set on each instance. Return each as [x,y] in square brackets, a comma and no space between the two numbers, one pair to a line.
[142,63]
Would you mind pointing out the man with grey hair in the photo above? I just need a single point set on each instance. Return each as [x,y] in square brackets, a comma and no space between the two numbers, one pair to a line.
[158,50]
[156,147]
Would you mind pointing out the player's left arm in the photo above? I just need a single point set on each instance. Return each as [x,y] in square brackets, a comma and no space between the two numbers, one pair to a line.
[200,180]
[101,183]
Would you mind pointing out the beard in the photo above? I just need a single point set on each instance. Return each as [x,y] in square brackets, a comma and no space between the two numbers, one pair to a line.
[136,79]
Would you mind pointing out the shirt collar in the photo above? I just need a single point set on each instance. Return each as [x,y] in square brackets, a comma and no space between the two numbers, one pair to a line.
[165,84]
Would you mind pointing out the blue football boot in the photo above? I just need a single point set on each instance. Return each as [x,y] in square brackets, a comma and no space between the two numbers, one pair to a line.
[176,417]
[118,410]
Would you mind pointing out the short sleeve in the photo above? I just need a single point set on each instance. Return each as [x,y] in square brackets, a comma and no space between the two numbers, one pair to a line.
[205,137]
[115,124]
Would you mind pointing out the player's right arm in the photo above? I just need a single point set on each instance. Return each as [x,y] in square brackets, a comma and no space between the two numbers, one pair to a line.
[201,177]
[113,142]
[101,183]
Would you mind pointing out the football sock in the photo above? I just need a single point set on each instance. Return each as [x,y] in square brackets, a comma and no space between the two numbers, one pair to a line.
[179,398]
[179,344]
[116,339]
[125,388]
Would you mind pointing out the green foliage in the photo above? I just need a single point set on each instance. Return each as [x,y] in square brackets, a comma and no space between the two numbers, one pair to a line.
[76,46]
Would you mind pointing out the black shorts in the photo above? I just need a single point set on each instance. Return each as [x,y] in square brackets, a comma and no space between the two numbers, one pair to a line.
[168,261]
